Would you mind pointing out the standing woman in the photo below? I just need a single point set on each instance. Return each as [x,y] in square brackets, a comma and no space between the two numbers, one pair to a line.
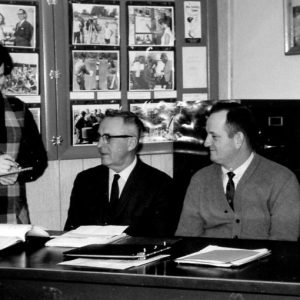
[20,146]
[167,38]
[2,34]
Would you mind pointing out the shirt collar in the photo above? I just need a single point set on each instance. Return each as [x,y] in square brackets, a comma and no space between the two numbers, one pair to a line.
[241,169]
[126,172]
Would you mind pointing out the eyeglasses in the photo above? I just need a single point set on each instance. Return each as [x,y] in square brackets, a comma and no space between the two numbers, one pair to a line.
[107,137]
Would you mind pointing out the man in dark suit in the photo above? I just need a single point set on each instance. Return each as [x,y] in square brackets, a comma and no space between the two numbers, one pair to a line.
[23,31]
[145,198]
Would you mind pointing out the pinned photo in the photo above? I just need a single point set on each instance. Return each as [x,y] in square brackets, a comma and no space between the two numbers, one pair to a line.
[95,24]
[157,118]
[96,71]
[151,70]
[86,121]
[151,26]
[23,79]
[18,25]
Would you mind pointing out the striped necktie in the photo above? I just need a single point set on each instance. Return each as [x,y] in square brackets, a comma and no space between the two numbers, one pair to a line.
[230,189]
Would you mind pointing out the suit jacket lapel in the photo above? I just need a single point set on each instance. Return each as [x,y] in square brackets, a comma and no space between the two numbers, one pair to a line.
[106,183]
[130,186]
[99,193]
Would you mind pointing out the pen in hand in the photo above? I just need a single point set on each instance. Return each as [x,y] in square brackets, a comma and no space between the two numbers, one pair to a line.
[7,163]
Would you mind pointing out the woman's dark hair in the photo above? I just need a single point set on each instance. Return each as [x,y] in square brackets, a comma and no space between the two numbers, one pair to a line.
[239,118]
[6,60]
[3,19]
[166,20]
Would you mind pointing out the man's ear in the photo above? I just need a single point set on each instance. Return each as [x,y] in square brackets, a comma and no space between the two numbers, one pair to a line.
[239,139]
[132,143]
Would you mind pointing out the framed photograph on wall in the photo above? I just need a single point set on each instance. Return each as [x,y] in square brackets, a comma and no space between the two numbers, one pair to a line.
[157,117]
[292,26]
[151,70]
[18,25]
[95,24]
[24,78]
[192,22]
[86,119]
[96,70]
[151,26]
[190,121]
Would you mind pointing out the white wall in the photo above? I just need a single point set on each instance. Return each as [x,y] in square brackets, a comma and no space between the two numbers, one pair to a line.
[251,37]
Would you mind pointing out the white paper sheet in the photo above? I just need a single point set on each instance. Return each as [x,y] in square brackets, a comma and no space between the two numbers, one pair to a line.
[118,264]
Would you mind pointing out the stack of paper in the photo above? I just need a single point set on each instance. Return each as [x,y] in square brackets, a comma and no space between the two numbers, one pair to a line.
[117,264]
[87,235]
[125,254]
[223,256]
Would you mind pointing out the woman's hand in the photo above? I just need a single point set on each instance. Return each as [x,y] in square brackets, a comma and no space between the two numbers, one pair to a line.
[8,164]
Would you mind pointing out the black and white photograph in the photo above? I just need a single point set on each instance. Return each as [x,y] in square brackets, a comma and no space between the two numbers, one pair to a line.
[296,25]
[292,26]
[151,26]
[18,25]
[192,21]
[177,121]
[95,24]
[157,118]
[24,78]
[96,70]
[189,121]
[151,70]
[86,119]
[150,150]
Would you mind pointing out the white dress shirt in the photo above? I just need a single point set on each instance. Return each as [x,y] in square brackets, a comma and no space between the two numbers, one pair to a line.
[239,172]
[123,177]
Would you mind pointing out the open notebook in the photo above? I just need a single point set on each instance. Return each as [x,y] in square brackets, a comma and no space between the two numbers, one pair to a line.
[11,234]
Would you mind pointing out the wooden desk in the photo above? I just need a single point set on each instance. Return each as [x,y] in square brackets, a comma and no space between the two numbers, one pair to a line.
[30,271]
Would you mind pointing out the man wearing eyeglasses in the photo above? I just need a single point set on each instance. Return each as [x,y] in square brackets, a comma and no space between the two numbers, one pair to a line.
[123,190]
[23,31]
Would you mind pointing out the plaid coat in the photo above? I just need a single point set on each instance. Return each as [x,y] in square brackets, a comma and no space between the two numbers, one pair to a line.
[19,137]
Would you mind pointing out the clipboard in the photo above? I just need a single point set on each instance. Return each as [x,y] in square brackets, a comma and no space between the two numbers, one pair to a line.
[16,171]
[118,251]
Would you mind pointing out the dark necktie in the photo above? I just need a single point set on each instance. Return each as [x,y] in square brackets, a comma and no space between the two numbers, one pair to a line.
[230,189]
[114,194]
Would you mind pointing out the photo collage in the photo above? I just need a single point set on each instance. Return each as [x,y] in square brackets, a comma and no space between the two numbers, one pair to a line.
[95,56]
[18,32]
